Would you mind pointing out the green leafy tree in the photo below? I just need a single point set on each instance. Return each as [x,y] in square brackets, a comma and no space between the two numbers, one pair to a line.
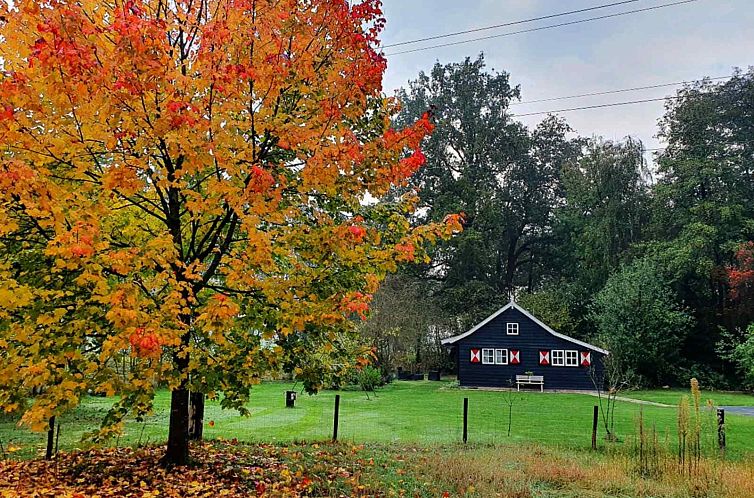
[555,305]
[502,176]
[743,355]
[704,204]
[641,323]
[605,209]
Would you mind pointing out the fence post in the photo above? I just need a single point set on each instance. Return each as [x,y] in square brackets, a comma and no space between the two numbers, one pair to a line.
[50,439]
[465,420]
[721,429]
[594,427]
[335,418]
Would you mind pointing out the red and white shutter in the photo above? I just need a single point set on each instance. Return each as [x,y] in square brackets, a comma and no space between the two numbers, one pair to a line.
[544,357]
[586,358]
[514,357]
[475,356]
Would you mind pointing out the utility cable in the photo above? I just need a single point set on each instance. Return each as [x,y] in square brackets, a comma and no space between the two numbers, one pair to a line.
[598,106]
[540,28]
[622,90]
[503,25]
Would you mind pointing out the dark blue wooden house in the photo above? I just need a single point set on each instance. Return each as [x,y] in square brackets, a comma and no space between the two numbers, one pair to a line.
[512,343]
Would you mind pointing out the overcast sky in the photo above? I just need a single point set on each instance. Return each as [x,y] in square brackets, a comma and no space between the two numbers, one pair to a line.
[703,38]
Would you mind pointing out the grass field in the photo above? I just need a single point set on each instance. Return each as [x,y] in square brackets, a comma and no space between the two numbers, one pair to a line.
[426,413]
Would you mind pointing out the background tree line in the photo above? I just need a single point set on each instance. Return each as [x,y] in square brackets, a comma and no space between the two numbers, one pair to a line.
[581,230]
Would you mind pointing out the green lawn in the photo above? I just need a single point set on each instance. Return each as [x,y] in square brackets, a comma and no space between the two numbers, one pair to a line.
[673,396]
[403,412]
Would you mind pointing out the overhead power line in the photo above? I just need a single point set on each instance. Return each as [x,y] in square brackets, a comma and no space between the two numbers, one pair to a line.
[503,25]
[614,104]
[622,90]
[598,106]
[541,28]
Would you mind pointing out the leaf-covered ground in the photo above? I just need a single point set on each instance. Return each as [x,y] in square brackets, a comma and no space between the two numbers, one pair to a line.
[220,468]
[227,468]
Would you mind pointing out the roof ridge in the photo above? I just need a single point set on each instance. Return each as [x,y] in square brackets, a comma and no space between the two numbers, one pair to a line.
[512,304]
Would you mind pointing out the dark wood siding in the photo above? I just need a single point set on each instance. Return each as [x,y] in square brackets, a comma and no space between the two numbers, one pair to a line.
[530,340]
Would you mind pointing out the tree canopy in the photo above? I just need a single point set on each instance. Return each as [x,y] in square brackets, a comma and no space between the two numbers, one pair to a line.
[504,178]
[182,182]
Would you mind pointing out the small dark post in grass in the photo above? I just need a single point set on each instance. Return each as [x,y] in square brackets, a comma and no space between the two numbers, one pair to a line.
[465,420]
[721,429]
[290,399]
[335,418]
[196,416]
[50,439]
[595,419]
[57,438]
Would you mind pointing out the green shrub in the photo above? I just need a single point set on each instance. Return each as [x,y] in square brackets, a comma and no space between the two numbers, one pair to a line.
[369,378]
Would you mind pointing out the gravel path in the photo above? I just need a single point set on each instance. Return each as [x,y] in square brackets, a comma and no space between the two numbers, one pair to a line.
[740,410]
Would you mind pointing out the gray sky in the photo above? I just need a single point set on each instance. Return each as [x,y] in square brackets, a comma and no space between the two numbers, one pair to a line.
[703,38]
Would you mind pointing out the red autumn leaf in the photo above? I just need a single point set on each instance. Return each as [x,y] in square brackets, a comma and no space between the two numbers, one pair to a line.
[357,232]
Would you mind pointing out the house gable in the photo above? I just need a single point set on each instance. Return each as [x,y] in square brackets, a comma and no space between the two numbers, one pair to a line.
[513,306]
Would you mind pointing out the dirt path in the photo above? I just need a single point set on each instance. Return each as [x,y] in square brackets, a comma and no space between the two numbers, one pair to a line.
[638,401]
[740,410]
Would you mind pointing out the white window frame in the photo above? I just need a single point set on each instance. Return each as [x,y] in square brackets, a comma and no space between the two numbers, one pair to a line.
[491,352]
[511,328]
[557,358]
[503,357]
[574,358]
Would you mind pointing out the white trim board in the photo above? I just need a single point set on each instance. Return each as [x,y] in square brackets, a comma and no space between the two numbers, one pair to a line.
[454,339]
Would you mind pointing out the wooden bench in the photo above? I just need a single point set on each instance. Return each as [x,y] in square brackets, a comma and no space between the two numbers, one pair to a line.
[531,380]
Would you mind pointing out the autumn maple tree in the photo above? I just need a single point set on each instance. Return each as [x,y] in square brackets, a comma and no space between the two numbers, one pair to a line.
[741,275]
[195,185]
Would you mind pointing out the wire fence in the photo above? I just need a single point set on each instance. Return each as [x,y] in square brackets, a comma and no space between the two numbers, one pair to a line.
[410,413]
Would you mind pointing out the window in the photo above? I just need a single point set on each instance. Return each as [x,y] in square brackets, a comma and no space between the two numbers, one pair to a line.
[494,356]
[567,358]
[488,356]
[572,358]
[501,357]
[557,358]
[511,328]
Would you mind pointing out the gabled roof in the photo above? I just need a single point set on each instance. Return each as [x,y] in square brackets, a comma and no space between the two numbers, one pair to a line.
[454,339]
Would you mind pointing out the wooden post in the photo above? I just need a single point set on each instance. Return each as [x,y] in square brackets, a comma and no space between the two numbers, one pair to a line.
[721,429]
[50,439]
[594,427]
[465,420]
[335,418]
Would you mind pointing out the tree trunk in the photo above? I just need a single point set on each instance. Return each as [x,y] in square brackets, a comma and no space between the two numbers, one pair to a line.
[177,453]
[196,416]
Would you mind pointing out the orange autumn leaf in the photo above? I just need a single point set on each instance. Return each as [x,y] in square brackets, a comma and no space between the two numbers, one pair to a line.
[145,342]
